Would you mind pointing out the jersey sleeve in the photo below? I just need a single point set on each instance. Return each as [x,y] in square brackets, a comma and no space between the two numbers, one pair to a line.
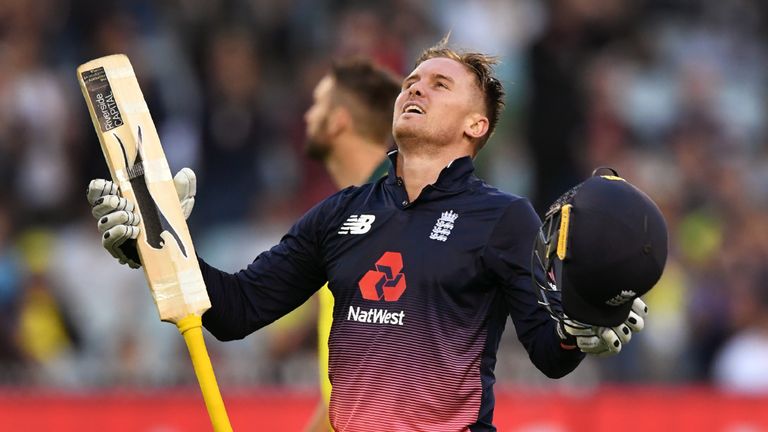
[508,258]
[276,282]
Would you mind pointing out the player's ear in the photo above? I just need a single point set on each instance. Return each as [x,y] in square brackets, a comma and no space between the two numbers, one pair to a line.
[476,125]
[339,120]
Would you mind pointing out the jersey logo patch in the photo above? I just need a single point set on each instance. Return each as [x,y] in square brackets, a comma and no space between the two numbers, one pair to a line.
[443,226]
[387,282]
[357,224]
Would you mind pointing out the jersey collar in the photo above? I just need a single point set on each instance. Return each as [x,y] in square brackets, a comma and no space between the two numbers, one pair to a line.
[380,171]
[453,177]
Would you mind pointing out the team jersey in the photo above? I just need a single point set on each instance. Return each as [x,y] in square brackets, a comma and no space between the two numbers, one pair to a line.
[422,292]
[325,315]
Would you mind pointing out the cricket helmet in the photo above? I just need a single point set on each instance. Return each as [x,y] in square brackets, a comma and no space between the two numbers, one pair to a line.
[601,245]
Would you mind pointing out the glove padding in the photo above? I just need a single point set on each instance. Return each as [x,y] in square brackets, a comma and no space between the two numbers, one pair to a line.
[119,223]
[603,341]
[186,189]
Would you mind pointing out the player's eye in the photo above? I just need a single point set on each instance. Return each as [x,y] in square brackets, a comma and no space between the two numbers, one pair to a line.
[441,85]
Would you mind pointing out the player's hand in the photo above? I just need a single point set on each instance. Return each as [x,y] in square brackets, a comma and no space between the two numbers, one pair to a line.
[186,188]
[603,341]
[118,222]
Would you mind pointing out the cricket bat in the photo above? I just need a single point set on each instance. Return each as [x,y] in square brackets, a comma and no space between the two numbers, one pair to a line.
[138,166]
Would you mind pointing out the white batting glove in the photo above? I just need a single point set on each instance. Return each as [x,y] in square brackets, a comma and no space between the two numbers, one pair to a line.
[606,341]
[186,188]
[119,223]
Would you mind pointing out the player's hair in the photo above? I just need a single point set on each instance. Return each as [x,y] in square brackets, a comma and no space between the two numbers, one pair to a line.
[481,65]
[371,90]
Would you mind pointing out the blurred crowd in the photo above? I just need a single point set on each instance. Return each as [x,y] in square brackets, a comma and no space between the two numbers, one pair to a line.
[669,92]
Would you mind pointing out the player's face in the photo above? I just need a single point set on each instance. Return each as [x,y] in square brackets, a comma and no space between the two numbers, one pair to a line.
[436,101]
[318,140]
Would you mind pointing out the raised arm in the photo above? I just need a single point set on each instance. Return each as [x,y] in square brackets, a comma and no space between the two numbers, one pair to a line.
[508,257]
[275,283]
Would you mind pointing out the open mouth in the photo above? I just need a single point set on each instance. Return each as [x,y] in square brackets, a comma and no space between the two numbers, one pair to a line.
[412,108]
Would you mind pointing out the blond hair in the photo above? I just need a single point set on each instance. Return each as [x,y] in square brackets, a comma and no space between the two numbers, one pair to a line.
[481,66]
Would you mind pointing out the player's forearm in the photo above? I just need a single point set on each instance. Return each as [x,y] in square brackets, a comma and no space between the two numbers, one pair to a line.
[537,331]
[546,353]
[228,317]
[275,283]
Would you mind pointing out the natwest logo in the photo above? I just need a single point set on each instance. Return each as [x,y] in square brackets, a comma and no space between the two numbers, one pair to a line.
[387,282]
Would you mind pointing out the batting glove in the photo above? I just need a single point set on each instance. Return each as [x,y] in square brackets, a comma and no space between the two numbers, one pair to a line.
[186,189]
[603,341]
[118,222]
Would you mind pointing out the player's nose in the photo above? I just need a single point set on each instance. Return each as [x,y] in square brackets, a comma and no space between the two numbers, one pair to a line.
[415,89]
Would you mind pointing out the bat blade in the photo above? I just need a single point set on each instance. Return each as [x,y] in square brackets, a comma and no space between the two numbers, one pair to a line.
[138,166]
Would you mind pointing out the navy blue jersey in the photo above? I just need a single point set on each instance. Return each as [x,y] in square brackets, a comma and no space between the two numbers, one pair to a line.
[422,291]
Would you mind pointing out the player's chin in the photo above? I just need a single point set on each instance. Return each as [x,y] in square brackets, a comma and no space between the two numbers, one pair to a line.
[407,125]
[405,131]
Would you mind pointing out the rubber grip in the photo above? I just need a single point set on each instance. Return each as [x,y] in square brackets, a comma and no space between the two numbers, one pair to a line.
[191,328]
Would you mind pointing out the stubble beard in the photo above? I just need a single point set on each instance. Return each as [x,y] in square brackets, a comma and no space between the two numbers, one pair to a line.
[422,140]
[317,149]
[317,146]
[408,135]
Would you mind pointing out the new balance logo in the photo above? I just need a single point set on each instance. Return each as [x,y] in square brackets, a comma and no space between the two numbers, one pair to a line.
[443,226]
[357,224]
[620,299]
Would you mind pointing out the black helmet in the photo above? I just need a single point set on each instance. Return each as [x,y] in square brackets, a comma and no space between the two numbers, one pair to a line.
[602,244]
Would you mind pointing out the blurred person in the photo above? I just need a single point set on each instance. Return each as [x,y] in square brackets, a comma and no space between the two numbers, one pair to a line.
[235,129]
[163,70]
[349,130]
[39,175]
[739,365]
[122,341]
[701,235]
[468,22]
[424,265]
[556,112]
[740,260]
[46,333]
[607,140]
[11,356]
[366,32]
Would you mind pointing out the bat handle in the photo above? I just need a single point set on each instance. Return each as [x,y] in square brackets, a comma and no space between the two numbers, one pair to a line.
[191,328]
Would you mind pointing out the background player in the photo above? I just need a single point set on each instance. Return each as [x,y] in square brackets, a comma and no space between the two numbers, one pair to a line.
[349,130]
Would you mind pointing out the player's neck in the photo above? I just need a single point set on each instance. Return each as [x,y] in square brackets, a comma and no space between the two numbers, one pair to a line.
[421,168]
[353,160]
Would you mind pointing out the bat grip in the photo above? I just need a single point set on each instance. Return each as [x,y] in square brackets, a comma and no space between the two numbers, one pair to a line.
[191,328]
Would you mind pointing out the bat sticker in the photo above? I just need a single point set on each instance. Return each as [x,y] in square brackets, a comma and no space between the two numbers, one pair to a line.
[102,99]
[154,220]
